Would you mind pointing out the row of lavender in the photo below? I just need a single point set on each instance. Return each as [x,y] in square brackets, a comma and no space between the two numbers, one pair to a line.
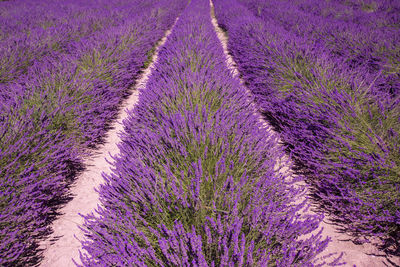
[382,13]
[371,50]
[63,75]
[339,118]
[29,30]
[194,184]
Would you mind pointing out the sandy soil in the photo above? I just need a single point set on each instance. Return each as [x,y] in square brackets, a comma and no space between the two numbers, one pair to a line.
[63,245]
[364,255]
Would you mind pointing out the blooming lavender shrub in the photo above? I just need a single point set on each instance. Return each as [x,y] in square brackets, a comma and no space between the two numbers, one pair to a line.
[30,30]
[194,183]
[371,48]
[342,130]
[60,102]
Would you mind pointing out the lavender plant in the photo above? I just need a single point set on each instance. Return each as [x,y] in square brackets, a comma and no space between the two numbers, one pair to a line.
[342,130]
[371,50]
[61,105]
[194,183]
[374,13]
[30,31]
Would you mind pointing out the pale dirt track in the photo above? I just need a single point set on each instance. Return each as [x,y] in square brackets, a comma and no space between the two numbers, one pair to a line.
[63,245]
[364,255]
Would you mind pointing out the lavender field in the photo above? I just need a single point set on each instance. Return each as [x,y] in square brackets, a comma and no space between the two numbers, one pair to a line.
[265,133]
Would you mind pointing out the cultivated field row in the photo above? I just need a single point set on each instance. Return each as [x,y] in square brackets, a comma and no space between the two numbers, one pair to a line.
[260,133]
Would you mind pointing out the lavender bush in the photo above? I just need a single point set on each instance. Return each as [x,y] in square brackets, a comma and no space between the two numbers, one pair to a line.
[31,30]
[194,183]
[383,13]
[341,127]
[57,98]
[371,50]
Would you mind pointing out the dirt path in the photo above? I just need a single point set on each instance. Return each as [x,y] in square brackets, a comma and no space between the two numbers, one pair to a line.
[63,244]
[364,255]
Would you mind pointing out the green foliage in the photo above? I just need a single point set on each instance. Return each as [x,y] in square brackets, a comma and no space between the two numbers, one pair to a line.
[365,124]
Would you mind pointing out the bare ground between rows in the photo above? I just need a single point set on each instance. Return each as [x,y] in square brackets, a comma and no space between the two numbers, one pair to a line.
[361,255]
[63,245]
